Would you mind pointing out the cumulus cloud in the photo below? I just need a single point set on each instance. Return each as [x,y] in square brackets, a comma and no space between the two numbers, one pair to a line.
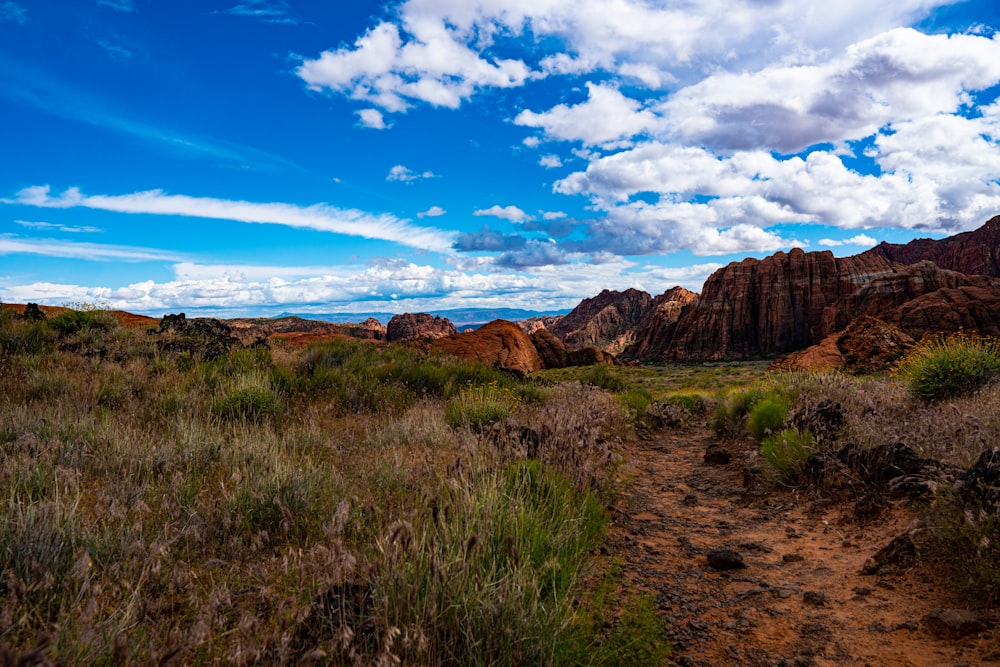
[512,213]
[489,240]
[858,240]
[424,60]
[550,161]
[606,118]
[533,254]
[320,217]
[11,12]
[432,212]
[406,175]
[894,77]
[372,118]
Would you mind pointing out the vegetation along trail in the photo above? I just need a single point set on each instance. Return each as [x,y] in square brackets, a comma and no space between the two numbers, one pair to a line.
[748,575]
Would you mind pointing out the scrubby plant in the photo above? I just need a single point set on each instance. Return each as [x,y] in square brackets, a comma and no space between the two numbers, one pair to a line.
[605,377]
[478,406]
[250,397]
[965,538]
[637,400]
[767,416]
[692,401]
[948,366]
[786,452]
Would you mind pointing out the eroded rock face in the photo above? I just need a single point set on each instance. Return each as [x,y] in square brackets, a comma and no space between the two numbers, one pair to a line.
[551,350]
[867,345]
[607,321]
[656,327]
[968,308]
[789,301]
[499,343]
[418,325]
[533,324]
[972,253]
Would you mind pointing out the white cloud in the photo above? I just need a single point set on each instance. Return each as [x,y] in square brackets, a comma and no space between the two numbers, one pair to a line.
[320,217]
[406,175]
[10,245]
[11,12]
[432,64]
[862,240]
[606,118]
[267,11]
[553,215]
[125,6]
[72,229]
[550,161]
[894,77]
[432,212]
[531,142]
[512,213]
[372,118]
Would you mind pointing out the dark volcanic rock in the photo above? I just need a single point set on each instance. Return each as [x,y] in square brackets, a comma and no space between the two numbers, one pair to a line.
[418,325]
[607,321]
[953,623]
[726,559]
[201,337]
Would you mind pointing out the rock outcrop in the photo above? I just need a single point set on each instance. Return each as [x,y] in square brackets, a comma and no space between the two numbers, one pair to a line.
[409,326]
[789,301]
[370,329]
[607,321]
[867,345]
[972,253]
[533,324]
[656,328]
[967,308]
[500,343]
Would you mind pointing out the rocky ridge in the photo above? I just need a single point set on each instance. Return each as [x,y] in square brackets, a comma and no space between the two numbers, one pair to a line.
[409,326]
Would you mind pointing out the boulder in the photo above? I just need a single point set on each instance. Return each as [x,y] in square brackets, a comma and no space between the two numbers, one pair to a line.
[500,343]
[409,326]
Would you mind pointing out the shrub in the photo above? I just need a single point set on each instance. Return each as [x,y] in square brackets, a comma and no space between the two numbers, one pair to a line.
[73,321]
[28,338]
[950,366]
[965,538]
[251,398]
[767,416]
[786,452]
[637,400]
[691,401]
[601,375]
[479,406]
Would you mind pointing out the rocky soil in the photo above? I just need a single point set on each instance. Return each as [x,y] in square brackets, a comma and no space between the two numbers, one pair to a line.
[750,575]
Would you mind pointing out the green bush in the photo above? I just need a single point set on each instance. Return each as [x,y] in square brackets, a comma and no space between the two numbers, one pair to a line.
[478,406]
[691,401]
[767,416]
[73,321]
[250,398]
[950,366]
[637,401]
[732,410]
[786,452]
[602,375]
[27,338]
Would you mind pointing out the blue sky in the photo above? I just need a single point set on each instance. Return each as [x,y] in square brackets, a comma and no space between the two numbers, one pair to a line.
[251,157]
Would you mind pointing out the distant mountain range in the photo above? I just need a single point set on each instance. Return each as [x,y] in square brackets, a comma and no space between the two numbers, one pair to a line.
[460,317]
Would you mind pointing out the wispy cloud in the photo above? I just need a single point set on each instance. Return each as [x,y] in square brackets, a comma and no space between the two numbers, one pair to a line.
[10,245]
[859,240]
[39,91]
[11,12]
[407,175]
[320,217]
[50,226]
[116,51]
[124,6]
[267,11]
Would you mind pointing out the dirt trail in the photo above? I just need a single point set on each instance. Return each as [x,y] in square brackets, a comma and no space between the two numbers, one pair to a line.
[801,599]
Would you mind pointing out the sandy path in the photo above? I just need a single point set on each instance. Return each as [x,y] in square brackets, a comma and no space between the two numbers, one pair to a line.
[801,600]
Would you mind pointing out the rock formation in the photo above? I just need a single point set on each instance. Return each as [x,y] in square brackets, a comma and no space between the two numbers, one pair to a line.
[972,253]
[656,327]
[499,343]
[789,301]
[867,345]
[607,321]
[409,326]
[972,309]
[533,324]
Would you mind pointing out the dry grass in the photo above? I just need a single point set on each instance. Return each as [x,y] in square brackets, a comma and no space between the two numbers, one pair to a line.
[297,505]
